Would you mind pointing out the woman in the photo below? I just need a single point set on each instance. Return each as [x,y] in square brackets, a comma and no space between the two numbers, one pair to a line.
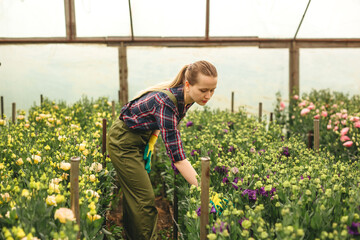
[138,126]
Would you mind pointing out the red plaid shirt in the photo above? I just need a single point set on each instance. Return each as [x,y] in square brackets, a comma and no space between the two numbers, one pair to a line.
[154,111]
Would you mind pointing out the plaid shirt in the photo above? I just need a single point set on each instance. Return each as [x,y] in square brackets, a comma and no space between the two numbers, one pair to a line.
[155,110]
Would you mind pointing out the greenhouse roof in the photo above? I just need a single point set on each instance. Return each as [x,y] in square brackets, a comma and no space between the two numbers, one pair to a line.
[158,21]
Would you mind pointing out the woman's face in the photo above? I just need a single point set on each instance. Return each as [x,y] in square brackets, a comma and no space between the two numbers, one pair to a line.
[202,91]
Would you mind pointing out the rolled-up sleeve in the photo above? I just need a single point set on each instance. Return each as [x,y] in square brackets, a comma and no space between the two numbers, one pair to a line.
[167,122]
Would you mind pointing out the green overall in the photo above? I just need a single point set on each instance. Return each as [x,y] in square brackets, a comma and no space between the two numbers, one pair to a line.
[126,149]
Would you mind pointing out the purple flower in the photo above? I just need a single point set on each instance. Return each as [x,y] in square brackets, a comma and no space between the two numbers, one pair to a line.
[282,138]
[241,220]
[189,124]
[222,169]
[213,210]
[252,150]
[225,130]
[198,211]
[285,152]
[194,151]
[354,228]
[225,180]
[251,194]
[261,151]
[213,229]
[175,169]
[209,152]
[231,149]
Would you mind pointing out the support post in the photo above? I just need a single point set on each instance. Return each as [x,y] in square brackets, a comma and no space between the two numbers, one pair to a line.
[123,74]
[271,117]
[232,102]
[205,184]
[13,112]
[294,87]
[260,111]
[310,139]
[41,100]
[316,135]
[176,210]
[104,142]
[2,107]
[74,188]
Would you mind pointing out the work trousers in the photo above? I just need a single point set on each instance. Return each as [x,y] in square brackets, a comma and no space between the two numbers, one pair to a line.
[126,149]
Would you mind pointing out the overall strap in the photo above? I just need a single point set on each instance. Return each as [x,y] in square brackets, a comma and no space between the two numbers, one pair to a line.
[171,96]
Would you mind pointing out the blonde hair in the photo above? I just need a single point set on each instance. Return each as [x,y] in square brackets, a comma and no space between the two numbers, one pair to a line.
[188,72]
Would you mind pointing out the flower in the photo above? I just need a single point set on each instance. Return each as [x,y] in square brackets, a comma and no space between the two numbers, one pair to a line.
[65,166]
[36,158]
[317,116]
[296,97]
[92,178]
[189,124]
[354,228]
[357,124]
[282,106]
[97,167]
[198,211]
[93,217]
[344,131]
[64,214]
[324,113]
[19,162]
[304,111]
[174,168]
[51,200]
[328,126]
[348,144]
[344,138]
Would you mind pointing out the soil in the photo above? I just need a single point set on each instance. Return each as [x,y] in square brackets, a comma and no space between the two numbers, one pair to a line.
[164,224]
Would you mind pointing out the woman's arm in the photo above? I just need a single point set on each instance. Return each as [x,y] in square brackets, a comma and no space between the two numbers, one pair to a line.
[187,171]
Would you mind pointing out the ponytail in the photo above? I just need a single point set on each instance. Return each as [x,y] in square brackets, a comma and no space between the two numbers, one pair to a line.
[188,72]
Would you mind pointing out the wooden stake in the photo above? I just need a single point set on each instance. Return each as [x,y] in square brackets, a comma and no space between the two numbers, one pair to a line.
[205,184]
[2,107]
[13,112]
[41,100]
[293,70]
[232,102]
[104,142]
[176,210]
[260,111]
[271,117]
[316,135]
[310,138]
[74,187]
[113,109]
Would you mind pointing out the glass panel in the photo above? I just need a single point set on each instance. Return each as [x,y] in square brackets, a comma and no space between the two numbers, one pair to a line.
[255,75]
[335,69]
[58,71]
[332,19]
[262,18]
[32,18]
[168,17]
[102,18]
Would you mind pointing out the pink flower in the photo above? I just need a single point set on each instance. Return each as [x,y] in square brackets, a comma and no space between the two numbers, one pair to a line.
[304,111]
[328,127]
[354,119]
[335,106]
[317,116]
[343,122]
[311,106]
[296,97]
[344,116]
[344,138]
[282,106]
[344,131]
[348,144]
[336,128]
[292,117]
[357,124]
[324,113]
[302,104]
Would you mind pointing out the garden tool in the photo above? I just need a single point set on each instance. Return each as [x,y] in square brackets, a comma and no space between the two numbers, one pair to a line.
[149,149]
[219,204]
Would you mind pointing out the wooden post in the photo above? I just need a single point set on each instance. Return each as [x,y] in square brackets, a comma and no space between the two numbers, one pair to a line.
[13,112]
[119,96]
[310,139]
[2,107]
[271,117]
[41,100]
[74,187]
[260,111]
[104,142]
[123,74]
[294,87]
[316,135]
[176,210]
[113,109]
[232,102]
[205,184]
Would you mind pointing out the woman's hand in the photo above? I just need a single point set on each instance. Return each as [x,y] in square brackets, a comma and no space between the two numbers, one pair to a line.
[187,171]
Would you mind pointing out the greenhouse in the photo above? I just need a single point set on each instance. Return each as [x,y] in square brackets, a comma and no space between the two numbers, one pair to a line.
[210,119]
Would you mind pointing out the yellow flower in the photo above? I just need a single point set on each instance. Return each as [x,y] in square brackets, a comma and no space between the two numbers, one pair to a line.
[25,193]
[19,162]
[50,200]
[6,197]
[85,152]
[97,167]
[47,147]
[65,166]
[2,122]
[64,214]
[211,236]
[93,217]
[92,178]
[2,166]
[82,147]
[20,117]
[54,187]
[246,224]
[27,125]
[36,158]
[59,198]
